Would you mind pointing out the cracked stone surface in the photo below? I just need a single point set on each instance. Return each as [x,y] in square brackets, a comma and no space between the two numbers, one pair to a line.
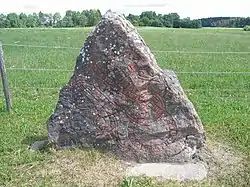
[119,99]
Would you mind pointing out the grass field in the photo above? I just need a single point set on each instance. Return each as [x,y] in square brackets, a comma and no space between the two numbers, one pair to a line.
[222,100]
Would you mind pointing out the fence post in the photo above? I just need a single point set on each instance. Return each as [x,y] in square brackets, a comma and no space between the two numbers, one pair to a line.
[5,81]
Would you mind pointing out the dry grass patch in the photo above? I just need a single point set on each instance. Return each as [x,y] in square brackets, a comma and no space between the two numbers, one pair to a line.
[74,168]
[229,167]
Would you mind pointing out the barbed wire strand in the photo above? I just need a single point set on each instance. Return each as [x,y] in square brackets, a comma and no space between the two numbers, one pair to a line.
[156,51]
[38,69]
[40,46]
[185,89]
[178,72]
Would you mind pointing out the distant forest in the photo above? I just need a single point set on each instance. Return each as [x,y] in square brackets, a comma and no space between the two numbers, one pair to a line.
[88,18]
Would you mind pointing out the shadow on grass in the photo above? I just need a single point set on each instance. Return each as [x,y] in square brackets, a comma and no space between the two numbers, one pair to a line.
[45,148]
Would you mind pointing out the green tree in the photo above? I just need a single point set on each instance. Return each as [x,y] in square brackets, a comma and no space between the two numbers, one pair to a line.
[36,19]
[83,20]
[41,18]
[56,19]
[175,19]
[76,16]
[196,23]
[67,21]
[149,14]
[186,23]
[160,18]
[3,21]
[31,21]
[135,22]
[167,20]
[147,18]
[145,21]
[134,19]
[93,16]
[13,19]
[22,20]
[156,23]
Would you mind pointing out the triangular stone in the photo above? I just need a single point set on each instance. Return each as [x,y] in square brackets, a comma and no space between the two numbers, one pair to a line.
[119,99]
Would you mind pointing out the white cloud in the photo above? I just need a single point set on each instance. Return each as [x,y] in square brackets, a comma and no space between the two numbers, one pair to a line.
[190,8]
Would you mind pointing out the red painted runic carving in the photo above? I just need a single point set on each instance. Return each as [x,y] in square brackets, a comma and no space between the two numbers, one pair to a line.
[131,67]
[144,106]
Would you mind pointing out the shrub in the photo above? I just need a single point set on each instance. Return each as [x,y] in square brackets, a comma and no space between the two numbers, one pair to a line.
[246,28]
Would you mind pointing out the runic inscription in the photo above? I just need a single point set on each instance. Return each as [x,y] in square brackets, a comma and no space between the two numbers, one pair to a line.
[119,99]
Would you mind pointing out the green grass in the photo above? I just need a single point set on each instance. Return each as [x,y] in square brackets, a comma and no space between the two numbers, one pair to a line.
[222,100]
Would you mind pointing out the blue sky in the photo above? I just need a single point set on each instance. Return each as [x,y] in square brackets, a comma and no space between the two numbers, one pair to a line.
[190,8]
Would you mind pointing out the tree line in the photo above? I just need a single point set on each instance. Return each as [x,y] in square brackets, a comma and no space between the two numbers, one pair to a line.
[87,18]
[172,20]
[230,22]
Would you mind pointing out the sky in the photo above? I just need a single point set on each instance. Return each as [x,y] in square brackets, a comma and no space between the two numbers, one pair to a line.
[185,8]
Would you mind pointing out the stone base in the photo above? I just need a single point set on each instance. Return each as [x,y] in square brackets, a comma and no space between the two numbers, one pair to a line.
[167,171]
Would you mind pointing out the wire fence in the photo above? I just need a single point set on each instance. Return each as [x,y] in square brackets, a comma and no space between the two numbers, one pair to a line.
[154,51]
[186,89]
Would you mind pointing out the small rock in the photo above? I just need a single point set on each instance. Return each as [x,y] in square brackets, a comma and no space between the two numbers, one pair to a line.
[38,145]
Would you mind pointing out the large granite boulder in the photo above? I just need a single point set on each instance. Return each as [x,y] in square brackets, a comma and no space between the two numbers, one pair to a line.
[118,99]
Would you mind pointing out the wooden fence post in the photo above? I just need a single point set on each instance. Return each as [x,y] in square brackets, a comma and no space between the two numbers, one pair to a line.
[5,81]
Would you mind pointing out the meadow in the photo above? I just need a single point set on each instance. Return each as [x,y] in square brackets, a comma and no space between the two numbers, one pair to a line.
[213,66]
